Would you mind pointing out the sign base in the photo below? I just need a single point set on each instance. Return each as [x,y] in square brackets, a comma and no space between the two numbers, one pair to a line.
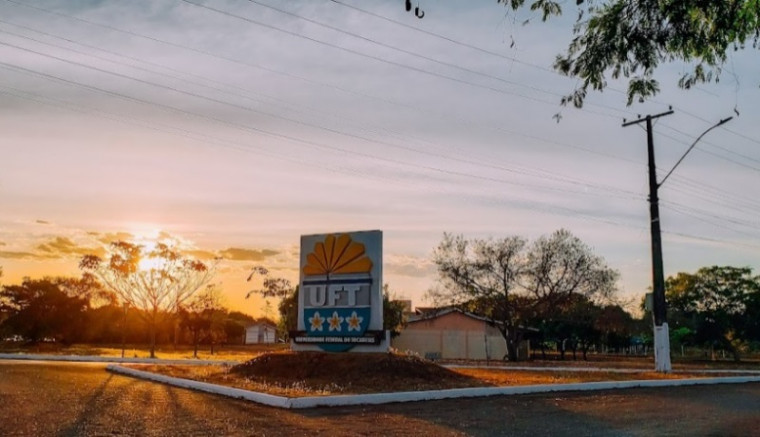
[375,341]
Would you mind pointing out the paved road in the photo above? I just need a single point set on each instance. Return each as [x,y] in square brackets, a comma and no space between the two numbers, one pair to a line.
[54,399]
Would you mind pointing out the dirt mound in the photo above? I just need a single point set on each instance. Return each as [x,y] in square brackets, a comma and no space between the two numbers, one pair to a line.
[357,372]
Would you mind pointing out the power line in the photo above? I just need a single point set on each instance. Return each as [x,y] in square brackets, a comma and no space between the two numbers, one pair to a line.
[14,2]
[308,143]
[443,37]
[461,160]
[516,60]
[377,58]
[305,79]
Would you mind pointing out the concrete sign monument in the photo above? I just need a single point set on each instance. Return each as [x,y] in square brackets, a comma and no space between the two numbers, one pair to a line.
[340,302]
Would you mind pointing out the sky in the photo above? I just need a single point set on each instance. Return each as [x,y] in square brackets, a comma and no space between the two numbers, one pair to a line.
[231,128]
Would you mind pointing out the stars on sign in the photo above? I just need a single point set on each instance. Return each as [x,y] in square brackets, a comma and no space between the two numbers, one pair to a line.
[354,322]
[335,321]
[316,322]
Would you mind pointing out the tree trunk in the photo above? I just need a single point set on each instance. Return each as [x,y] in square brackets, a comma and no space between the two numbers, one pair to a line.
[543,350]
[195,344]
[734,351]
[512,339]
[574,347]
[153,340]
[153,318]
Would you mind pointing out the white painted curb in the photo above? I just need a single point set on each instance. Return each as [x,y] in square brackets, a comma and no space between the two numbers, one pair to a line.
[412,396]
[262,398]
[99,359]
[599,369]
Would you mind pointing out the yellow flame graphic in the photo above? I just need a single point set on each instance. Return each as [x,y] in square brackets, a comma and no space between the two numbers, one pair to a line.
[337,255]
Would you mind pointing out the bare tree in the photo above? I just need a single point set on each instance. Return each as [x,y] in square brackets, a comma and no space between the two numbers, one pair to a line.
[561,265]
[154,280]
[509,283]
[483,276]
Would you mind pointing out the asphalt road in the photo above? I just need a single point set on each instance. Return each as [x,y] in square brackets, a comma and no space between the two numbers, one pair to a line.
[56,399]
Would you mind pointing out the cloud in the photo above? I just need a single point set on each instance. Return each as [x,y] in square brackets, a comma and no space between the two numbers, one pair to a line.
[19,255]
[2,244]
[110,237]
[200,254]
[61,247]
[42,222]
[237,254]
[408,266]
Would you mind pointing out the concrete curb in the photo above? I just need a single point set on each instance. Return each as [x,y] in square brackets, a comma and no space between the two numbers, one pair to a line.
[99,359]
[598,369]
[414,396]
[262,398]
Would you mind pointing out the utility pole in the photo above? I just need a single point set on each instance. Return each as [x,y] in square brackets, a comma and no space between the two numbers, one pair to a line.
[661,332]
[659,309]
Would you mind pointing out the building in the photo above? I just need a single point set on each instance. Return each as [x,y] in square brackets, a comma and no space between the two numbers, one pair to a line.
[262,331]
[453,334]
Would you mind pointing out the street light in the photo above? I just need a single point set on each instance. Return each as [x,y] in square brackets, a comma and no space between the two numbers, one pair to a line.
[661,332]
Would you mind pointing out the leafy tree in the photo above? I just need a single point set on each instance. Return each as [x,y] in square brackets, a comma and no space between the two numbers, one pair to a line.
[271,287]
[630,38]
[204,317]
[615,325]
[394,318]
[510,283]
[156,281]
[42,308]
[578,316]
[288,309]
[234,326]
[716,298]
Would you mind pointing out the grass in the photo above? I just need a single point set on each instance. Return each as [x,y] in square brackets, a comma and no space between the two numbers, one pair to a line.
[319,374]
[181,352]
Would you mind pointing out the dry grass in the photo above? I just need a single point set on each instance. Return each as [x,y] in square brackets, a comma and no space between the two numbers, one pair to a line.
[181,352]
[501,377]
[320,374]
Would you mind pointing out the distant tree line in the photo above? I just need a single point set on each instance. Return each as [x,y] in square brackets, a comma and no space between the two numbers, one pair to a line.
[715,308]
[561,297]
[554,292]
[80,310]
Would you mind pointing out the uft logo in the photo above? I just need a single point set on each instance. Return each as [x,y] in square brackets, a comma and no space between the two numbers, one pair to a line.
[337,294]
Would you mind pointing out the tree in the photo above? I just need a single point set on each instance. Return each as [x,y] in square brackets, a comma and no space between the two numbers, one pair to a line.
[270,287]
[288,309]
[43,308]
[630,38]
[615,325]
[204,316]
[394,317]
[716,298]
[156,281]
[509,283]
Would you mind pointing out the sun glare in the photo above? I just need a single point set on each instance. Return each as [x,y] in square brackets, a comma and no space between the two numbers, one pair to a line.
[150,263]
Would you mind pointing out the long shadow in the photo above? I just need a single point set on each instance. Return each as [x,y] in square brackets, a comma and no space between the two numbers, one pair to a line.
[96,405]
[633,412]
[520,415]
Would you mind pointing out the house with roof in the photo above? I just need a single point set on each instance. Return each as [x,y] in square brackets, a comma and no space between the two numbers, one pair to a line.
[260,332]
[453,334]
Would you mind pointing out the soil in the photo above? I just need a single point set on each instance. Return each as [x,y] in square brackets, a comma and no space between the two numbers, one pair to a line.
[353,372]
[295,374]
